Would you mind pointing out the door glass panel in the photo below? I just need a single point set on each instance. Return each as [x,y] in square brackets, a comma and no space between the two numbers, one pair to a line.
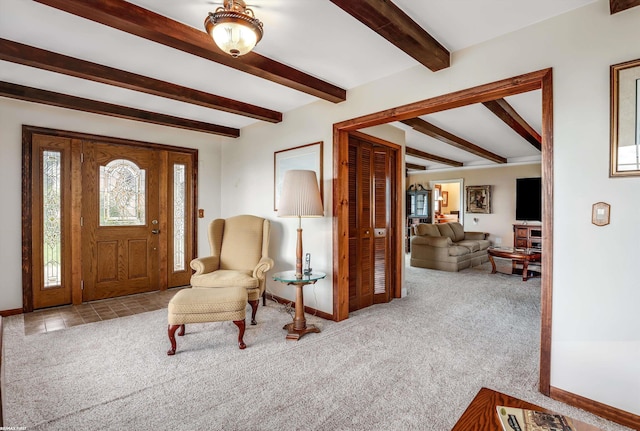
[52,223]
[122,194]
[179,190]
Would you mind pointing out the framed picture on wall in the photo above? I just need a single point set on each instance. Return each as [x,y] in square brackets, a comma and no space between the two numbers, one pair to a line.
[625,119]
[445,199]
[478,199]
[307,157]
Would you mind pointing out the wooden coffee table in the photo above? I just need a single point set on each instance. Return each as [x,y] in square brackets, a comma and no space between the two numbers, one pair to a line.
[518,256]
[482,415]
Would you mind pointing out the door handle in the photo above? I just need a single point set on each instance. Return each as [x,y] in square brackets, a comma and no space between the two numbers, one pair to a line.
[380,232]
[155,231]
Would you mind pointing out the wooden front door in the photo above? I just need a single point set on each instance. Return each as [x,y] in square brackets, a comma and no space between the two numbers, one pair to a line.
[120,221]
[371,229]
[104,217]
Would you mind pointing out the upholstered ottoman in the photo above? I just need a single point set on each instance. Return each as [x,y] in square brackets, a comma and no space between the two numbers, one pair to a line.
[201,305]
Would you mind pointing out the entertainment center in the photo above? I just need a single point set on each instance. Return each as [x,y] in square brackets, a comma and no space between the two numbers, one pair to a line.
[527,236]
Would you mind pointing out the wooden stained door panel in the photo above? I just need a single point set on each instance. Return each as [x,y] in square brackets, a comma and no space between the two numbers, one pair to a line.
[370,197]
[122,259]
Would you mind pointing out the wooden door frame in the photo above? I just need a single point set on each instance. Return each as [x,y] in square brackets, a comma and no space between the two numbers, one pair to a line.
[539,80]
[27,201]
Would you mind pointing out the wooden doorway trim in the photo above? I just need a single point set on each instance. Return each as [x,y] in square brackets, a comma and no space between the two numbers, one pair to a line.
[539,80]
[27,200]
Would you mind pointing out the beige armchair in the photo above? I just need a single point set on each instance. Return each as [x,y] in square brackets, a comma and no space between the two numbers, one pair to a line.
[239,257]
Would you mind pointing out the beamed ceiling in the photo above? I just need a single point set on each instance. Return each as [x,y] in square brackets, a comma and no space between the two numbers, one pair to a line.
[152,61]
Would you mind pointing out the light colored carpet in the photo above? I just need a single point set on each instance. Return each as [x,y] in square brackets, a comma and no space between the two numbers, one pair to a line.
[412,364]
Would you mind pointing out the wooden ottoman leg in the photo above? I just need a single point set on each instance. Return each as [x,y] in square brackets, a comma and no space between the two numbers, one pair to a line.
[241,326]
[172,337]
[254,310]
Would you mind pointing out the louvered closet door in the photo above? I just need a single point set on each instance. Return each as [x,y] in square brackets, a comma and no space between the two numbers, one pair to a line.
[370,178]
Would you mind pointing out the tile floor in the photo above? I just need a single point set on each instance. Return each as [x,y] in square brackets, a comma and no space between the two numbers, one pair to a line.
[54,319]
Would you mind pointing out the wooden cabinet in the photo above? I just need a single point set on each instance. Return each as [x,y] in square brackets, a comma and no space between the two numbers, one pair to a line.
[527,236]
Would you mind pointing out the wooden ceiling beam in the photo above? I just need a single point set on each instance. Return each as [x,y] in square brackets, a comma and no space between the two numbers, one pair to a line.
[429,129]
[144,23]
[46,97]
[616,6]
[415,167]
[506,113]
[390,22]
[35,57]
[408,151]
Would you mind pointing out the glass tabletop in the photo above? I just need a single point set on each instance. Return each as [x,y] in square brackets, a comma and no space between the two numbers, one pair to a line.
[516,250]
[290,277]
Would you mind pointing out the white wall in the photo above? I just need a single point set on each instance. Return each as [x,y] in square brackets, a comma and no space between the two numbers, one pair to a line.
[14,114]
[596,326]
[499,224]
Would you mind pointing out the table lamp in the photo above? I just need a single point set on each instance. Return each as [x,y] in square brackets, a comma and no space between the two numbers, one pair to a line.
[300,197]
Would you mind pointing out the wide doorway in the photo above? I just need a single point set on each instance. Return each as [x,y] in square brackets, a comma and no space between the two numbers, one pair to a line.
[540,80]
[104,217]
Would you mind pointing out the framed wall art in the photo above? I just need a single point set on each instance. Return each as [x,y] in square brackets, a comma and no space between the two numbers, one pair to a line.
[308,157]
[478,199]
[445,199]
[625,119]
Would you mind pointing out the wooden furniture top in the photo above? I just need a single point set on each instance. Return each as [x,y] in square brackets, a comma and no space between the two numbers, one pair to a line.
[531,254]
[482,415]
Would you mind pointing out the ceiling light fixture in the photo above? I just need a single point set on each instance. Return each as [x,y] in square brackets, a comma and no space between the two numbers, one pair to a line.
[234,27]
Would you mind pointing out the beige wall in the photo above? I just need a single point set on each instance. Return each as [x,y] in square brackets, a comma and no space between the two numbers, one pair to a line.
[499,224]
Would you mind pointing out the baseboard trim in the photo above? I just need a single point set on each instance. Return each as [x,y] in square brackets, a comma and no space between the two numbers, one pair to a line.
[13,312]
[307,310]
[605,411]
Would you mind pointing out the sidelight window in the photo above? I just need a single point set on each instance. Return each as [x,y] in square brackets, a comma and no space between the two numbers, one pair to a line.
[179,196]
[51,218]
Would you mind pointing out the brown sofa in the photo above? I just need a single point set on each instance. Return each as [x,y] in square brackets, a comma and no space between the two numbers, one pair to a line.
[447,247]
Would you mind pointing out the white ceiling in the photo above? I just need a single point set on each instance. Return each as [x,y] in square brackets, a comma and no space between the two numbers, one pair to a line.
[310,35]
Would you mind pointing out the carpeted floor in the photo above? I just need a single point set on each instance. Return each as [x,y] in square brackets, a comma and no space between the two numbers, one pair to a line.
[412,364]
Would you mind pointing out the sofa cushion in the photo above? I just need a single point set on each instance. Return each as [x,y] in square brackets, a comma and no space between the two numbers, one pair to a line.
[484,244]
[427,229]
[434,241]
[447,229]
[456,250]
[471,245]
[475,235]
[453,230]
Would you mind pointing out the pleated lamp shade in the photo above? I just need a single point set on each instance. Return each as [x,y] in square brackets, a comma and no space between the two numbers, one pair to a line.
[300,196]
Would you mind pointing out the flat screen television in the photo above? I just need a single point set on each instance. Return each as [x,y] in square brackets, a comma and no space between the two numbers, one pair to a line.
[529,199]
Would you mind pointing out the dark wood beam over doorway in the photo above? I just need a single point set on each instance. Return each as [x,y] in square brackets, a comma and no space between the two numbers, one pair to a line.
[435,132]
[431,157]
[53,62]
[144,23]
[506,113]
[390,22]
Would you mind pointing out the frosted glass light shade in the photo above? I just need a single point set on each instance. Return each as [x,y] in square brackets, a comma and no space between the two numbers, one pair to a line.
[234,28]
[300,196]
[234,38]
